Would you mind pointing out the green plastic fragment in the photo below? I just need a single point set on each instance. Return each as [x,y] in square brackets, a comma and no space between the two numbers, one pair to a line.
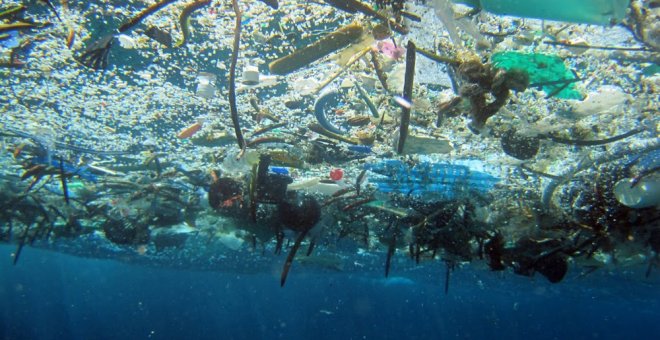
[542,68]
[651,70]
[75,185]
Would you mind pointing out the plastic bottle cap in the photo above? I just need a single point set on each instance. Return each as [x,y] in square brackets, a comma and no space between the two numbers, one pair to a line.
[336,174]
[251,75]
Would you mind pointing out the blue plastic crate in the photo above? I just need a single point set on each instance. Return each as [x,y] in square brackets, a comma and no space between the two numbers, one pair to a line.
[432,180]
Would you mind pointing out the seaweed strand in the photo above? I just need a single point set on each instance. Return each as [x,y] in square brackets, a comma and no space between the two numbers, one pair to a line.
[352,6]
[185,17]
[12,11]
[291,256]
[65,189]
[145,13]
[363,94]
[232,77]
[596,47]
[594,142]
[438,58]
[382,77]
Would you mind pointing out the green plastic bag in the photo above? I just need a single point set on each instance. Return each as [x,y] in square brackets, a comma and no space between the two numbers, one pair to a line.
[542,69]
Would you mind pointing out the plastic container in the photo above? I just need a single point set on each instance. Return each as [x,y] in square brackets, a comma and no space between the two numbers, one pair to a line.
[644,194]
[646,191]
[251,75]
[601,12]
[279,170]
[429,180]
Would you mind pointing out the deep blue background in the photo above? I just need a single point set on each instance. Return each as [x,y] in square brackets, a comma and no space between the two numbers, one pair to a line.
[56,296]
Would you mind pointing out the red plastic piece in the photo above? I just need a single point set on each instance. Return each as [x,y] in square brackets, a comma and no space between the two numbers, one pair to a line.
[336,174]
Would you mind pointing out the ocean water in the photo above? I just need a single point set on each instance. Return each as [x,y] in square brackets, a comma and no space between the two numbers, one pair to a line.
[332,170]
[55,296]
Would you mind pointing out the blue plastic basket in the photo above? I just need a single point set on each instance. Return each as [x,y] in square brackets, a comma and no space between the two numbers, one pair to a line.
[430,180]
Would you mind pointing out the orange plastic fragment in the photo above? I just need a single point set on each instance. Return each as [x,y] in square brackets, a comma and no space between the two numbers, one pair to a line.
[189,131]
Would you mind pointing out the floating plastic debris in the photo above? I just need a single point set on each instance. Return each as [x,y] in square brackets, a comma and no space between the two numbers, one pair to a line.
[279,170]
[10,41]
[360,148]
[189,131]
[603,12]
[206,85]
[251,75]
[638,194]
[430,180]
[82,172]
[533,184]
[336,174]
[546,71]
[126,42]
[402,102]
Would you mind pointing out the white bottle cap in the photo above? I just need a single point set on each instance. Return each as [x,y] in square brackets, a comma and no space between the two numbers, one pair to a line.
[251,75]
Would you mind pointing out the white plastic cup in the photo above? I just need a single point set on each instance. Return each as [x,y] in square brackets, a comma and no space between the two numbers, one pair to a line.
[205,85]
[251,75]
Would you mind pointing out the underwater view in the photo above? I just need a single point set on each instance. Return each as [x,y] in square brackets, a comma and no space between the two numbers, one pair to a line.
[331,169]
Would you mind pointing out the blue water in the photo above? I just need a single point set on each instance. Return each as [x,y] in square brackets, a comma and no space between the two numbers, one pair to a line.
[49,295]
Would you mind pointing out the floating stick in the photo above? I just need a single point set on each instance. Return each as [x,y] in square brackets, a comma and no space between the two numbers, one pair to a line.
[593,142]
[350,62]
[19,26]
[145,13]
[450,267]
[352,6]
[382,77]
[268,128]
[438,58]
[391,249]
[407,95]
[596,47]
[264,140]
[326,45]
[323,131]
[70,38]
[12,11]
[363,94]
